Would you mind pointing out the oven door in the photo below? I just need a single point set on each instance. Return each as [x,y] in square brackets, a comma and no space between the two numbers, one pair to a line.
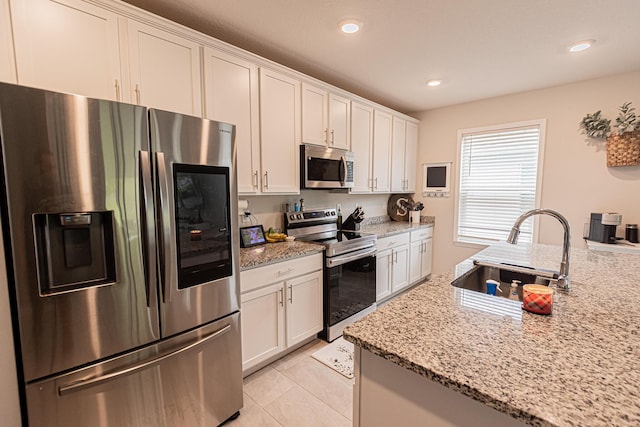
[326,167]
[349,289]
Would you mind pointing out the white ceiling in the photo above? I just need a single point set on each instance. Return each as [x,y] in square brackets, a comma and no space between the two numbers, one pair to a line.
[479,48]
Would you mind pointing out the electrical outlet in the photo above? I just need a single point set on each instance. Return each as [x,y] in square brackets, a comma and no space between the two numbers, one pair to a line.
[245,219]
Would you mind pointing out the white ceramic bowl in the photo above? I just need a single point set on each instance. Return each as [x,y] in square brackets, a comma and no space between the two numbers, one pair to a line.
[290,238]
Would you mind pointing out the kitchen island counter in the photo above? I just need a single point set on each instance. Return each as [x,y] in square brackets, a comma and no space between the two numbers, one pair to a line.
[579,366]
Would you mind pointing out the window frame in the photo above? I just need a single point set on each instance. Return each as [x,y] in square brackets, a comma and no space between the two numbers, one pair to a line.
[541,124]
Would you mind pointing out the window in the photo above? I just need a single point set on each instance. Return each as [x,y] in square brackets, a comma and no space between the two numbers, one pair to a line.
[498,180]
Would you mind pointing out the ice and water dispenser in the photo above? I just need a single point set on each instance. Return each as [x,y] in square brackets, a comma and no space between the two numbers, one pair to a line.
[74,250]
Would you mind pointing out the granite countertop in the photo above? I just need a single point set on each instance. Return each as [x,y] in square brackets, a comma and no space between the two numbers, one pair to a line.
[579,366]
[389,228]
[275,252]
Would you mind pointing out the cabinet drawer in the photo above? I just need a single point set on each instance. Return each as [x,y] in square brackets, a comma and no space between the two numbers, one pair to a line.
[392,241]
[261,276]
[421,234]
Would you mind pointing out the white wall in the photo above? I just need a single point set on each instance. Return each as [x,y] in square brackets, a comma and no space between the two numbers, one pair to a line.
[575,178]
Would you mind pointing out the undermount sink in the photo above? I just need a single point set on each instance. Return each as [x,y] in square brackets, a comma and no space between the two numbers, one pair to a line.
[475,279]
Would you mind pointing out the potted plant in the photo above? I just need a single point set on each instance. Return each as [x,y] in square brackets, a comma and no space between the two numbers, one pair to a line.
[623,146]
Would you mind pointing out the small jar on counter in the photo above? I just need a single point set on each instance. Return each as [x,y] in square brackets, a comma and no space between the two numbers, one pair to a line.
[631,233]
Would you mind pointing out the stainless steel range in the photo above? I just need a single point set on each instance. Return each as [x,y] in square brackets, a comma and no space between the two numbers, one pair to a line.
[349,268]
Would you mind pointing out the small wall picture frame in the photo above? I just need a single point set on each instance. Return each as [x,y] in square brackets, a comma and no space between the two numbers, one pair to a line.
[436,178]
[252,236]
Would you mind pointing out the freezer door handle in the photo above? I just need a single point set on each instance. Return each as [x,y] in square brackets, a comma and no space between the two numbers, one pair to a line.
[84,384]
[149,239]
[167,258]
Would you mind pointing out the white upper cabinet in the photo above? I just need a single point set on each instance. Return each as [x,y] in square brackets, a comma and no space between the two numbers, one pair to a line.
[362,146]
[7,58]
[231,96]
[339,122]
[398,182]
[381,152]
[404,153]
[325,118]
[411,156]
[165,70]
[315,118]
[279,132]
[67,46]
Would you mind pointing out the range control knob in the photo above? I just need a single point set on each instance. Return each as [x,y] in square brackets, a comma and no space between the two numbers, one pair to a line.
[327,213]
[299,216]
[333,213]
[292,217]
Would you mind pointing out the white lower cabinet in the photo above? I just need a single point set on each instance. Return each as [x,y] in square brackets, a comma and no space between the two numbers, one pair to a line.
[420,254]
[392,265]
[281,306]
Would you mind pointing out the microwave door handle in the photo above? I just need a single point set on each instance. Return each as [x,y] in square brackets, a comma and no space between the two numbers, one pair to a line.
[167,256]
[149,247]
[343,178]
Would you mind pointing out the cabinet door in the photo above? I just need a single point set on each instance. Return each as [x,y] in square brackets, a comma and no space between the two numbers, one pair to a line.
[361,145]
[304,307]
[231,96]
[415,261]
[427,257]
[381,152]
[397,155]
[411,156]
[262,324]
[315,120]
[67,46]
[165,70]
[383,274]
[400,274]
[279,132]
[339,122]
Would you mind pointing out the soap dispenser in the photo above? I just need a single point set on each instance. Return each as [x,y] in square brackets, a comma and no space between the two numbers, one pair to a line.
[339,221]
[513,293]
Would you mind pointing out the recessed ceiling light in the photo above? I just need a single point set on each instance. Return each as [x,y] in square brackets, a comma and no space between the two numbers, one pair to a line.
[350,26]
[581,45]
[434,83]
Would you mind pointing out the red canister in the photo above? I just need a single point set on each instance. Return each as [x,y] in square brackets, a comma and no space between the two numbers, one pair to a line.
[537,299]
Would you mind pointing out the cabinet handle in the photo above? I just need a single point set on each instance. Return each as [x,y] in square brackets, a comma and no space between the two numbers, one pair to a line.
[117,90]
[395,257]
[326,136]
[376,183]
[291,294]
[281,294]
[137,94]
[333,137]
[255,175]
[285,272]
[266,179]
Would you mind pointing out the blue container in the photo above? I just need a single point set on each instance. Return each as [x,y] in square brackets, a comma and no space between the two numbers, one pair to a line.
[492,287]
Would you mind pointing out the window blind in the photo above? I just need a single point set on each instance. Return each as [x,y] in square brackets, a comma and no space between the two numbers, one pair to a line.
[498,178]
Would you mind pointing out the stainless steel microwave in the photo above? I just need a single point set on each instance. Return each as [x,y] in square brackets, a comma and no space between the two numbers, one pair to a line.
[322,167]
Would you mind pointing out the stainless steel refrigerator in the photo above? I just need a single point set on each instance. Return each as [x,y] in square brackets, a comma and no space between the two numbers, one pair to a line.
[122,261]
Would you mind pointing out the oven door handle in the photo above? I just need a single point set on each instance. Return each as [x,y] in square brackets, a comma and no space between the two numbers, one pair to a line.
[336,261]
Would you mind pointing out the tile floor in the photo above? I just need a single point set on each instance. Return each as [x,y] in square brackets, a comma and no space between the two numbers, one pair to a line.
[296,390]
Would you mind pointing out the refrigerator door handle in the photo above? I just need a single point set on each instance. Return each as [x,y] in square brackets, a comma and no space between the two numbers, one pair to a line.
[149,239]
[84,384]
[167,258]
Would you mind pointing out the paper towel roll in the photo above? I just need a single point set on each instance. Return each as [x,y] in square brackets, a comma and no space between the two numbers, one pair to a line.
[243,204]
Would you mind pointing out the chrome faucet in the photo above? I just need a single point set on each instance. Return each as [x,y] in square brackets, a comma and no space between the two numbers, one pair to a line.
[563,277]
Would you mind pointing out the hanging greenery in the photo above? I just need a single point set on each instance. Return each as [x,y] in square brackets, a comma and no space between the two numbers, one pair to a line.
[598,127]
